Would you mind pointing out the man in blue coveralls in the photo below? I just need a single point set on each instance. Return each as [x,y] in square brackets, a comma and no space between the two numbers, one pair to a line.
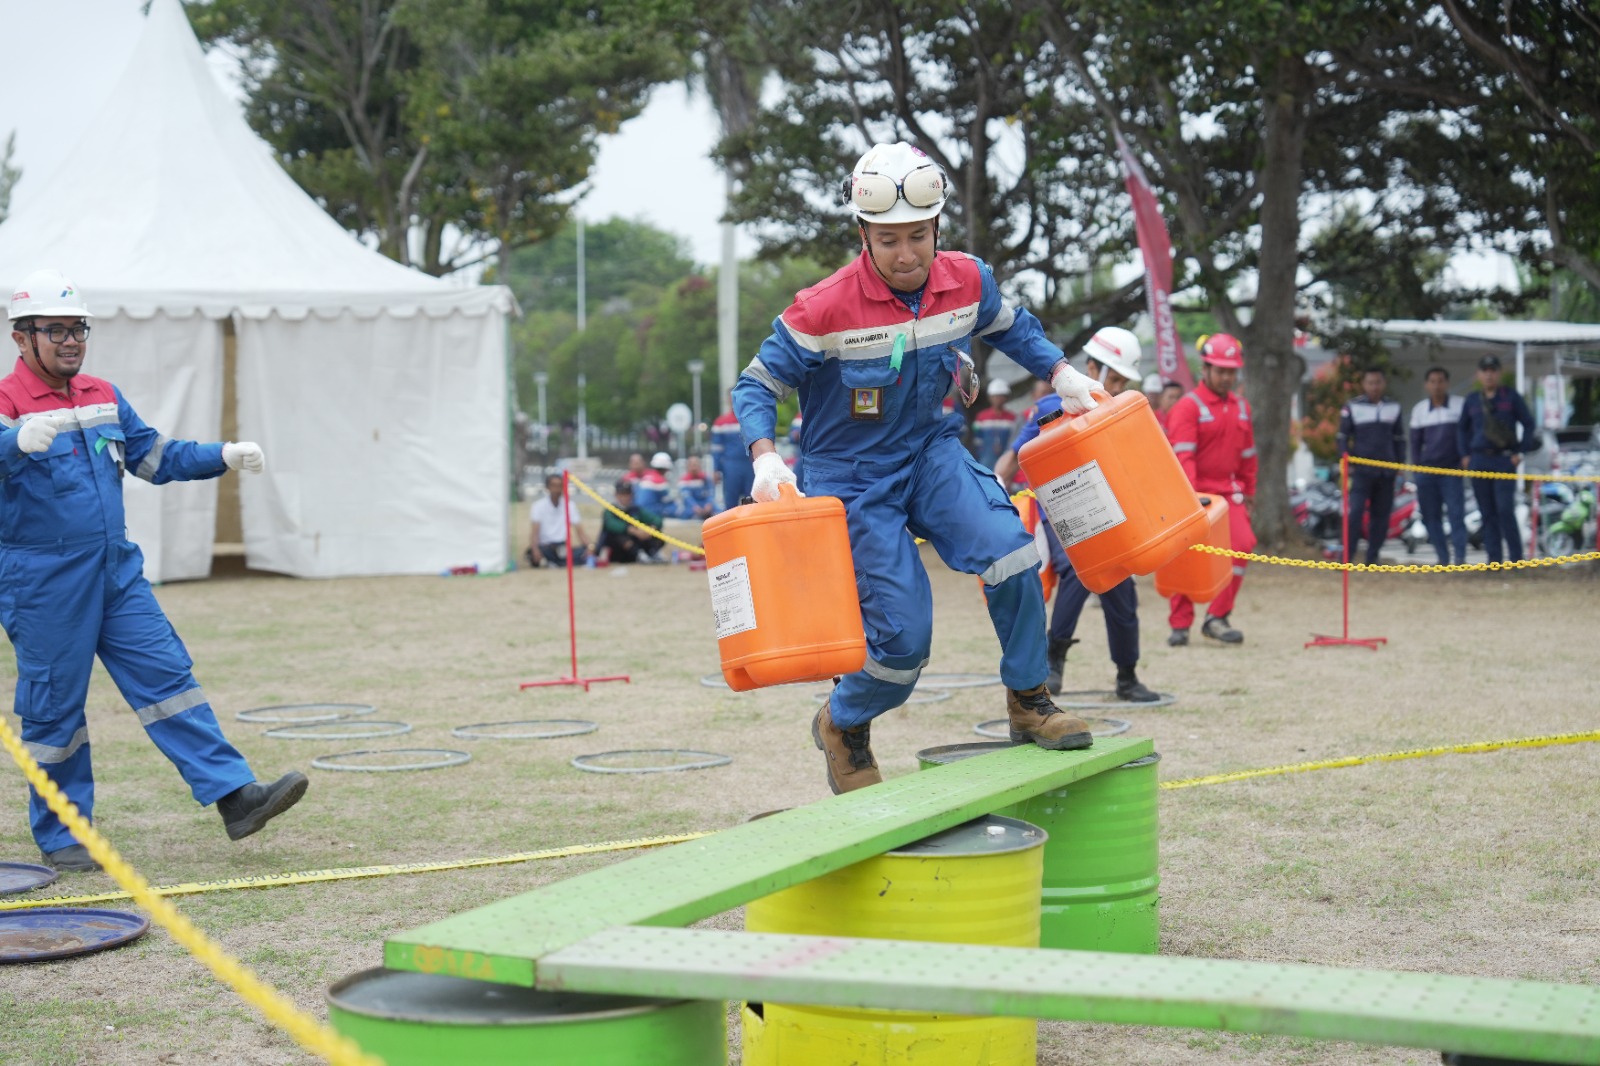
[873,350]
[72,586]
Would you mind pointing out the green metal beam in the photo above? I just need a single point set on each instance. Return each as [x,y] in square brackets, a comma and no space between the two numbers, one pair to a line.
[503,941]
[1530,1020]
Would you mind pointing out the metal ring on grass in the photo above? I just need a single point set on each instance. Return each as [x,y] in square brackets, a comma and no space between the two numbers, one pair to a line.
[552,727]
[957,680]
[339,730]
[1094,700]
[917,696]
[612,762]
[305,713]
[449,758]
[1000,728]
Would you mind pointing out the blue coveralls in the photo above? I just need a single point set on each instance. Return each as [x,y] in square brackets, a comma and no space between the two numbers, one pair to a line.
[72,586]
[1120,604]
[902,472]
[731,459]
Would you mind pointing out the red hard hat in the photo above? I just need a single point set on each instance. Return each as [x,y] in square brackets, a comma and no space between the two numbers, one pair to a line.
[1221,349]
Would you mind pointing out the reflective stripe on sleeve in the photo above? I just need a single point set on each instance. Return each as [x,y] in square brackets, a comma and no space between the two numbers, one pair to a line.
[1186,446]
[1002,321]
[152,460]
[1247,453]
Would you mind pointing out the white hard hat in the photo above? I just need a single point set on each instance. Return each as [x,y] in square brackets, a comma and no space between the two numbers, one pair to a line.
[896,183]
[661,461]
[999,387]
[1152,383]
[1115,349]
[47,292]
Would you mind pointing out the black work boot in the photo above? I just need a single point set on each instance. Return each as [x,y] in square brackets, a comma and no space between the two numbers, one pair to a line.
[1035,719]
[1131,689]
[1056,659]
[1219,629]
[247,809]
[1177,638]
[848,751]
[74,858]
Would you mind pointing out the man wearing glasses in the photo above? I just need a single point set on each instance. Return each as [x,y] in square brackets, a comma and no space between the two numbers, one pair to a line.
[873,351]
[73,587]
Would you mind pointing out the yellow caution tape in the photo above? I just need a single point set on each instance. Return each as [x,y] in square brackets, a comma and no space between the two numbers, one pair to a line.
[1474,748]
[351,873]
[304,1029]
[1398,568]
[652,530]
[1459,472]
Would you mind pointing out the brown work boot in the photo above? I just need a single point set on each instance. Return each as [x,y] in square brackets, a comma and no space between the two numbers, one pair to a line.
[849,753]
[1034,718]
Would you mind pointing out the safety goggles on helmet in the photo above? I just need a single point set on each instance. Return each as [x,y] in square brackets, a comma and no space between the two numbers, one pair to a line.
[872,193]
[56,333]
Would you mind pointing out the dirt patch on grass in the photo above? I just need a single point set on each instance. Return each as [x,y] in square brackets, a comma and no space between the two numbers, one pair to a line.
[1465,864]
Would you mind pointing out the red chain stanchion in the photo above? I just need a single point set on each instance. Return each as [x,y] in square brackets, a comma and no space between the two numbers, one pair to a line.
[1317,639]
[572,610]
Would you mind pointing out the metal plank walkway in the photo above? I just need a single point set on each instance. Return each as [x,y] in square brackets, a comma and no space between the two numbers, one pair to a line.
[503,941]
[1528,1020]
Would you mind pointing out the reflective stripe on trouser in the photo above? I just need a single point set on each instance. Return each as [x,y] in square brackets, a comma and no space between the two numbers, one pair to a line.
[1181,615]
[1120,606]
[61,610]
[944,496]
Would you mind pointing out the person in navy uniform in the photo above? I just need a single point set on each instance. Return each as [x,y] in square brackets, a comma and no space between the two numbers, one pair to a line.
[1489,441]
[1370,427]
[1435,423]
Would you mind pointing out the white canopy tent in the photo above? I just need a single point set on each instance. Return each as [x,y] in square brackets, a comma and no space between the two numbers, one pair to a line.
[1564,349]
[378,393]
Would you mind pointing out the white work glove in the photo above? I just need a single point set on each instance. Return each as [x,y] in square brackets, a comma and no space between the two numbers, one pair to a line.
[244,455]
[771,471]
[37,434]
[1074,387]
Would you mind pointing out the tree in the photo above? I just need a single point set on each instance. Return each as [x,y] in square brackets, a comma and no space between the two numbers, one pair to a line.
[9,175]
[425,121]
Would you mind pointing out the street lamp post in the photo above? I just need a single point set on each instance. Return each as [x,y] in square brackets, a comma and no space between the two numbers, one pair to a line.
[696,368]
[583,420]
[541,380]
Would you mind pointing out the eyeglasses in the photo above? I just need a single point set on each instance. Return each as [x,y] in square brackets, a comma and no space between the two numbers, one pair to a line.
[57,333]
[875,193]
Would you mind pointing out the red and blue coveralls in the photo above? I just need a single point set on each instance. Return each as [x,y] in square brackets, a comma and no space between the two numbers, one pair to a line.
[730,459]
[1216,446]
[876,436]
[72,587]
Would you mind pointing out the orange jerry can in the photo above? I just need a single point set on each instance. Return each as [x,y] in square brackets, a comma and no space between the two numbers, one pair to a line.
[783,591]
[1113,490]
[1201,576]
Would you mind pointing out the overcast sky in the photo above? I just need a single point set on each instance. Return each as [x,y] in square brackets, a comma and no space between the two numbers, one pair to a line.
[657,169]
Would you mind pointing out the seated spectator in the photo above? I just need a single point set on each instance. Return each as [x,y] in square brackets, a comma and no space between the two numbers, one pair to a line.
[622,542]
[651,488]
[547,529]
[696,499]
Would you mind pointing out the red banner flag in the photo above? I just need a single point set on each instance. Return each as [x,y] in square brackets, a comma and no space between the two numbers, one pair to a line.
[1156,248]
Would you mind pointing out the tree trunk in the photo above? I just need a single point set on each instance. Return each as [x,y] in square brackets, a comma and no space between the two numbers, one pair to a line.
[1272,369]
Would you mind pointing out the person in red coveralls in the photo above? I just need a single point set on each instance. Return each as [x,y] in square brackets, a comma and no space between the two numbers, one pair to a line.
[1211,433]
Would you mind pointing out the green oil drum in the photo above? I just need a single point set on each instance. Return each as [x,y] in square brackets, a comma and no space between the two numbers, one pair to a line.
[1101,885]
[415,1019]
[978,883]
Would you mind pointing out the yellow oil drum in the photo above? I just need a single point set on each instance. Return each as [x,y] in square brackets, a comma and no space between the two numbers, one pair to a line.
[978,883]
[1101,879]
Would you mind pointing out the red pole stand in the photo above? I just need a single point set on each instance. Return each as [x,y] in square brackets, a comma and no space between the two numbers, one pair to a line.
[1317,639]
[572,611]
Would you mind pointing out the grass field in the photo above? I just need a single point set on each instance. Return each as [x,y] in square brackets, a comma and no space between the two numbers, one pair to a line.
[1482,865]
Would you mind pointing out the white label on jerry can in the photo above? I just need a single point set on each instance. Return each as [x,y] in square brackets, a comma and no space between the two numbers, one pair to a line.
[1080,504]
[731,602]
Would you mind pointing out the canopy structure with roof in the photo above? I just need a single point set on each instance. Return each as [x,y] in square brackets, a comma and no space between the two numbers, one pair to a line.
[229,304]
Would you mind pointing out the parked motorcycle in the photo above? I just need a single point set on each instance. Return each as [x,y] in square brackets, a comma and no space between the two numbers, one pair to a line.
[1318,508]
[1566,518]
